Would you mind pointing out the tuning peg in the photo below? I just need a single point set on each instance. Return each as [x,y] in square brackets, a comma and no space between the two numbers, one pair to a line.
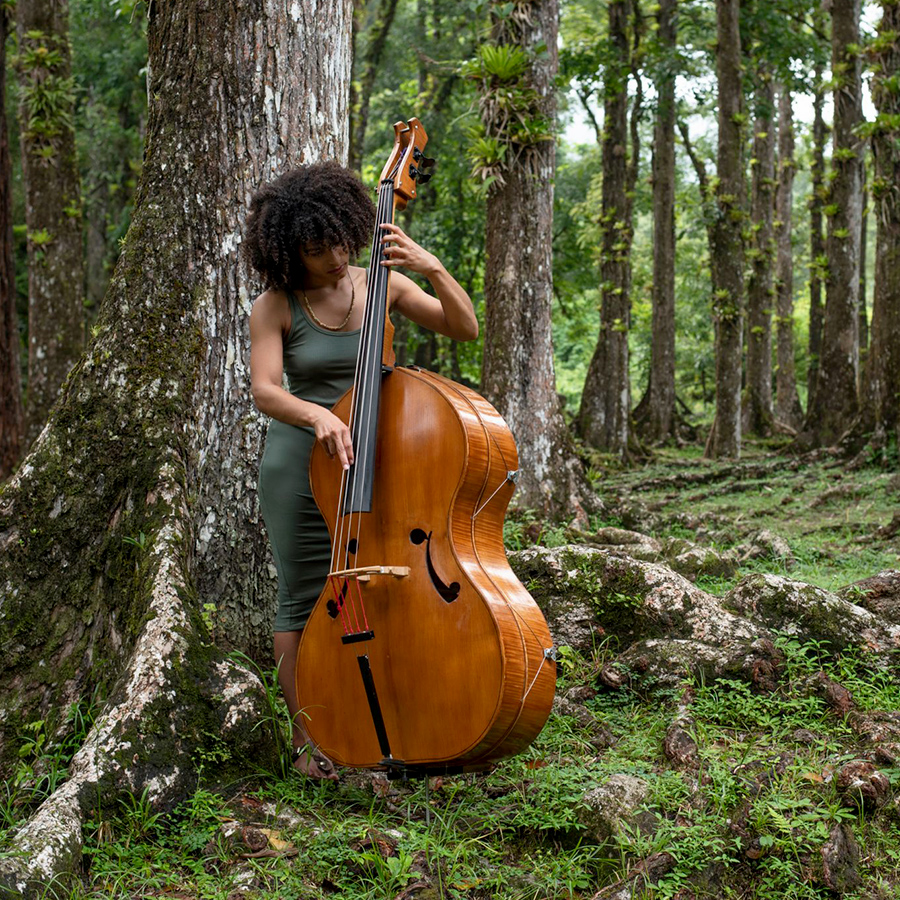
[425,178]
[426,162]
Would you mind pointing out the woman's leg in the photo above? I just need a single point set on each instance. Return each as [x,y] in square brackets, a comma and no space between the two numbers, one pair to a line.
[310,763]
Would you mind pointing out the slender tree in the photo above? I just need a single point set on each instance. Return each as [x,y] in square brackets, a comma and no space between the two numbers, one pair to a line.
[52,204]
[707,196]
[882,382]
[759,408]
[836,403]
[818,265]
[633,168]
[365,69]
[518,374]
[136,507]
[863,242]
[655,414]
[11,416]
[787,409]
[727,259]
[604,417]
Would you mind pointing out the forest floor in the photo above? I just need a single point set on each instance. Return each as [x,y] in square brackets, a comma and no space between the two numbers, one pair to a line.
[749,821]
[841,524]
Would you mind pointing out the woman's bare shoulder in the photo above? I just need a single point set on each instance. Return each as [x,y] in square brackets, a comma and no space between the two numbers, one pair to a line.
[271,308]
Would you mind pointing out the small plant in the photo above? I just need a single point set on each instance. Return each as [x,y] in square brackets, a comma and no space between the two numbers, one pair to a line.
[138,816]
[505,62]
[140,541]
[388,874]
[277,718]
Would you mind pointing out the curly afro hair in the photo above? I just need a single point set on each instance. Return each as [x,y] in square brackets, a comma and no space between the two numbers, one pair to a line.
[321,205]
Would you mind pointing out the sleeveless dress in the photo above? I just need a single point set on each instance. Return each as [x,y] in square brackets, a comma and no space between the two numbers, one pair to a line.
[320,366]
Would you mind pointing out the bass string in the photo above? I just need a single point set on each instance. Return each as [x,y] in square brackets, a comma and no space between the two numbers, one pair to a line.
[366,369]
[371,372]
[340,557]
[358,392]
[379,314]
[342,494]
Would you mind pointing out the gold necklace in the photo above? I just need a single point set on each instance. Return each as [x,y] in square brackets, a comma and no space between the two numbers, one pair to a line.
[319,322]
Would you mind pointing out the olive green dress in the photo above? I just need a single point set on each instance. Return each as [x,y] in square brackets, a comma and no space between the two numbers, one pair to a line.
[320,366]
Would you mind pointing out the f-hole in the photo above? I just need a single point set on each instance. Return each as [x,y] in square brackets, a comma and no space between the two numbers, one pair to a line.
[333,609]
[448,592]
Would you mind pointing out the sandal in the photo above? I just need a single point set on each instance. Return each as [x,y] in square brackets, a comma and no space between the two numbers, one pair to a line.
[323,768]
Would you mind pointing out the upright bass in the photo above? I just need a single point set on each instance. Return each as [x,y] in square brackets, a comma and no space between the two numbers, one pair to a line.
[424,652]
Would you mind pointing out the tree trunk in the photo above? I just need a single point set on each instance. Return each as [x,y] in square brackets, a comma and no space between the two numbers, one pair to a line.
[727,258]
[518,375]
[604,417]
[361,96]
[863,241]
[633,167]
[656,413]
[134,517]
[52,204]
[882,387]
[11,416]
[836,401]
[787,409]
[760,412]
[707,196]
[818,261]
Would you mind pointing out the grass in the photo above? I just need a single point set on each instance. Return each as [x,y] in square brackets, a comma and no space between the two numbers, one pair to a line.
[749,821]
[517,833]
[829,516]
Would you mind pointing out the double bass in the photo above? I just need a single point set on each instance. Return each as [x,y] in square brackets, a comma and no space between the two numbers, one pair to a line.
[424,653]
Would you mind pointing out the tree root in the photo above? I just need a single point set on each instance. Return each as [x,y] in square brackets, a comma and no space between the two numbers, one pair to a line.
[177,700]
[664,629]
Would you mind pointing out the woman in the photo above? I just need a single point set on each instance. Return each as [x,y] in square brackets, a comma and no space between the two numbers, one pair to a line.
[302,231]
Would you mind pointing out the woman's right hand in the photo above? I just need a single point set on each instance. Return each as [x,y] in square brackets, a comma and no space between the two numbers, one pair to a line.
[334,436]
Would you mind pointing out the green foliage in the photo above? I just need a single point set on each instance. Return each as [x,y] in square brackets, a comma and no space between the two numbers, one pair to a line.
[40,238]
[505,62]
[46,747]
[278,718]
[518,832]
[109,60]
[47,90]
[523,528]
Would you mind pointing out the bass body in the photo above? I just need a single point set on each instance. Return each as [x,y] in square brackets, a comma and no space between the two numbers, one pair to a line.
[430,652]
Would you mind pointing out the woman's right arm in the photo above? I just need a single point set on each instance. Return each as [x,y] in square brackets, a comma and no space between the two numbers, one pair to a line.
[267,325]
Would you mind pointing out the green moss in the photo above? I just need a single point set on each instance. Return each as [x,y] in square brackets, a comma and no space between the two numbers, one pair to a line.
[72,565]
[614,587]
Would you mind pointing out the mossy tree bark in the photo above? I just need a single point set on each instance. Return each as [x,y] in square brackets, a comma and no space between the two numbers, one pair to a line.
[727,256]
[52,204]
[818,266]
[882,382]
[604,419]
[11,415]
[518,374]
[759,407]
[787,401]
[655,415]
[134,517]
[835,404]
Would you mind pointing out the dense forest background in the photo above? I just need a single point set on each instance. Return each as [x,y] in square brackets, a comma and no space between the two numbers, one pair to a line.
[438,60]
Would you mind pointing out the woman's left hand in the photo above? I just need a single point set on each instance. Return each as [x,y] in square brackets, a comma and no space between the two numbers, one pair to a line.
[401,250]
